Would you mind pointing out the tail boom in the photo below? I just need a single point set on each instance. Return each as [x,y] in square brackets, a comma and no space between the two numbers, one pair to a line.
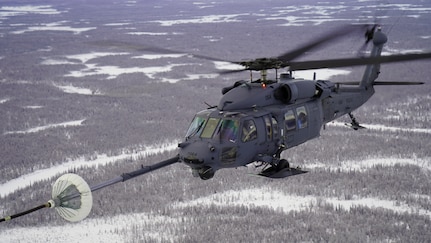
[372,71]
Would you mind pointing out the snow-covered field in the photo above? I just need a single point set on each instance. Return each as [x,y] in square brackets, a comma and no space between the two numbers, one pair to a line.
[117,228]
[41,128]
[27,180]
[81,91]
[385,128]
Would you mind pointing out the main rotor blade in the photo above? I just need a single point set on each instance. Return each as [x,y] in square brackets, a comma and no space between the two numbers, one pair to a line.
[397,83]
[334,34]
[384,83]
[347,62]
[224,72]
[152,49]
[284,59]
[133,46]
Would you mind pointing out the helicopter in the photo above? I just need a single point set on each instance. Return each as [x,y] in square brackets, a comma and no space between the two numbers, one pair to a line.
[256,120]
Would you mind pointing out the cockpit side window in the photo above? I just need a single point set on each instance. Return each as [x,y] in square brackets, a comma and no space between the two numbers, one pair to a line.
[196,127]
[229,130]
[249,131]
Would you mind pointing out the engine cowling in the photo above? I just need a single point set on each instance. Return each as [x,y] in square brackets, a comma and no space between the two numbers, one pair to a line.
[292,91]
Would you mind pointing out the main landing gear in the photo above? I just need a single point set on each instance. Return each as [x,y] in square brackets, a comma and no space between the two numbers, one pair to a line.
[281,170]
[354,124]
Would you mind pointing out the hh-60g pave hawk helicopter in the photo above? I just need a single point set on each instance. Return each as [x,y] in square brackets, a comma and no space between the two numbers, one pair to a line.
[255,121]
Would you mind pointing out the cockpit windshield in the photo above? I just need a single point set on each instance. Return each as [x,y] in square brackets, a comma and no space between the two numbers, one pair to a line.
[196,127]
[213,127]
[210,127]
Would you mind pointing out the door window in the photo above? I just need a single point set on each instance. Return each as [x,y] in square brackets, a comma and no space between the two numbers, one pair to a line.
[268,128]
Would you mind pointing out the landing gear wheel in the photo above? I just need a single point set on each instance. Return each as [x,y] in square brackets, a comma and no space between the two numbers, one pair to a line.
[282,164]
[206,173]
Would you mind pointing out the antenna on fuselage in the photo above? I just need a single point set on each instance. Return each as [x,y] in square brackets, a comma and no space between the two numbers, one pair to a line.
[263,75]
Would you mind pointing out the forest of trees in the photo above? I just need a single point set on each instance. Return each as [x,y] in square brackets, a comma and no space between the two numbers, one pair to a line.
[135,110]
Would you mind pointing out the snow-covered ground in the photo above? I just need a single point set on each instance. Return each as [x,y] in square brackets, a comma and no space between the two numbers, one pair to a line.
[11,11]
[173,30]
[113,72]
[53,27]
[4,101]
[70,89]
[106,229]
[369,164]
[269,198]
[100,160]
[49,126]
[385,128]
[222,18]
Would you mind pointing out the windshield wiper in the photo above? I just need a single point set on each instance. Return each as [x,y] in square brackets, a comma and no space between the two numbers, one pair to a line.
[196,130]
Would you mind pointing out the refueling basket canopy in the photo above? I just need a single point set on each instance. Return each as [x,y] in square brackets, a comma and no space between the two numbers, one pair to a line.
[71,197]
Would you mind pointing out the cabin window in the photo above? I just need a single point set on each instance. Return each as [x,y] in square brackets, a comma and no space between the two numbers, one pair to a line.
[302,120]
[210,127]
[249,131]
[289,120]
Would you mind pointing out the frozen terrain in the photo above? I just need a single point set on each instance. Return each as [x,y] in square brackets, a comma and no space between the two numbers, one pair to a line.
[104,87]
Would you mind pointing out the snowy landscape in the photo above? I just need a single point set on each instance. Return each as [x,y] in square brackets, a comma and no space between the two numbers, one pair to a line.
[82,90]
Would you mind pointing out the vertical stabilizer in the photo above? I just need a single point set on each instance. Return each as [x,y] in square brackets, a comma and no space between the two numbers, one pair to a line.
[372,71]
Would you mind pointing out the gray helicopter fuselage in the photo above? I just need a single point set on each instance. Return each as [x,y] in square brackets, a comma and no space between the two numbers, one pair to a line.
[254,121]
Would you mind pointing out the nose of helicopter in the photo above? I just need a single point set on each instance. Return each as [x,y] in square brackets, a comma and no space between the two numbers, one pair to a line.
[197,153]
[200,156]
